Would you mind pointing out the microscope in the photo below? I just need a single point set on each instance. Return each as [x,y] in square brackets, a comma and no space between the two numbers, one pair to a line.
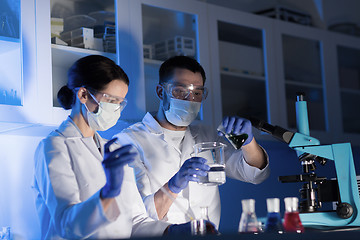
[315,190]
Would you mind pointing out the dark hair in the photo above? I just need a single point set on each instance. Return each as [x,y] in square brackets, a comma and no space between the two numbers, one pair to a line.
[92,71]
[167,68]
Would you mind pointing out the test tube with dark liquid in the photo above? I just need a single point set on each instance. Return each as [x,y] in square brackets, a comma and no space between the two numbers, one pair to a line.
[235,140]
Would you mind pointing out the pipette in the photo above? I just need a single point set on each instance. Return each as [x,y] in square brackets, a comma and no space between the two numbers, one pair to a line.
[189,213]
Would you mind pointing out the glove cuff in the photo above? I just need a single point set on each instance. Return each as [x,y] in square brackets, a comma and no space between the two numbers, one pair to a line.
[105,192]
[249,139]
[173,187]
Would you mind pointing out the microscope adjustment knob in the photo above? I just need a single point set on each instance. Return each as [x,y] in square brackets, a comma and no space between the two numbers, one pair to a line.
[344,210]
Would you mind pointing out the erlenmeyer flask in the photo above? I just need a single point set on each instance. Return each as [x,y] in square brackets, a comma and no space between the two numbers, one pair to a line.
[198,226]
[273,221]
[248,221]
[292,222]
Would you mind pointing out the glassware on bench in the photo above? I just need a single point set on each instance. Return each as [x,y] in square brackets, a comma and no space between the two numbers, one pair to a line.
[292,222]
[248,221]
[273,221]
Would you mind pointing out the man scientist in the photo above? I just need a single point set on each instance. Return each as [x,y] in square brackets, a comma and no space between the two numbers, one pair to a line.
[165,140]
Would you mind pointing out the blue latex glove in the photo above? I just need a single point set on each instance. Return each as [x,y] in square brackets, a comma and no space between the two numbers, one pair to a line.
[185,228]
[113,165]
[237,126]
[189,171]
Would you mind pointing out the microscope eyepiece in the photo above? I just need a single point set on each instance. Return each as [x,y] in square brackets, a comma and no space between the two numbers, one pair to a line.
[276,131]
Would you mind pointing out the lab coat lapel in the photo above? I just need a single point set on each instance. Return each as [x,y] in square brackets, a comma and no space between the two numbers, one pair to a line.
[188,144]
[76,141]
[91,146]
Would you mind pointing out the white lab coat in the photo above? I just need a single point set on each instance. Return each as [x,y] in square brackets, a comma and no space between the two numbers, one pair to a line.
[68,179]
[163,161]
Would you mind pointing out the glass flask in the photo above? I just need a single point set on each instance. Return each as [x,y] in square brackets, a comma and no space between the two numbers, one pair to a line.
[292,222]
[248,221]
[235,140]
[198,226]
[273,221]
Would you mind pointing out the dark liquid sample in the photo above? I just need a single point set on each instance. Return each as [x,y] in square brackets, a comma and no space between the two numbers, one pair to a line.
[237,140]
[273,223]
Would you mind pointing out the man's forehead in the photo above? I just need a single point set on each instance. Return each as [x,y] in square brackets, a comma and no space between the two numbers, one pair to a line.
[186,76]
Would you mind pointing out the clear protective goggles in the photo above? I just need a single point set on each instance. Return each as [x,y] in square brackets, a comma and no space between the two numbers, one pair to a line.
[121,102]
[182,91]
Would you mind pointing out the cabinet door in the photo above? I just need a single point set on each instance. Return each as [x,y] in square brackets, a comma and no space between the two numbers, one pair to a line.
[78,29]
[301,69]
[166,33]
[18,84]
[241,70]
[10,53]
[166,29]
[348,58]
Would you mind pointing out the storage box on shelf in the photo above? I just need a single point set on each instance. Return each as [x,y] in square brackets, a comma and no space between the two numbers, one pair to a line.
[179,45]
[287,14]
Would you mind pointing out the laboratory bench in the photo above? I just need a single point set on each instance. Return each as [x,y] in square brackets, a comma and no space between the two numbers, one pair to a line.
[339,233]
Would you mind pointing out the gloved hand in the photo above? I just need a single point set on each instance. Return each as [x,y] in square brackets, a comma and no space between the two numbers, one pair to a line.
[185,228]
[113,165]
[189,171]
[237,126]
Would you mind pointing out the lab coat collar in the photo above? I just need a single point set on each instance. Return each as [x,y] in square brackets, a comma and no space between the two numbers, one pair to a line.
[150,122]
[154,127]
[70,131]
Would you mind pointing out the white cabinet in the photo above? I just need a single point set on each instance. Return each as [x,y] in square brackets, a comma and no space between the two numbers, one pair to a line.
[254,64]
[158,30]
[244,82]
[20,100]
[259,64]
[301,68]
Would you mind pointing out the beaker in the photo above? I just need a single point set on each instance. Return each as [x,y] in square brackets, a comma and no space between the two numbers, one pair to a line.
[292,222]
[213,152]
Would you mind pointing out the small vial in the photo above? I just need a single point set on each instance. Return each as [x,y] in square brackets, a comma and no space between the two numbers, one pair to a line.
[248,221]
[292,222]
[273,221]
[235,140]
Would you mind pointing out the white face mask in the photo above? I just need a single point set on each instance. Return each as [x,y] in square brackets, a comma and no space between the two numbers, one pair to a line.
[181,112]
[107,116]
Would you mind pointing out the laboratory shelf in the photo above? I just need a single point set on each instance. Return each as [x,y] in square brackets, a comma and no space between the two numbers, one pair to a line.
[303,84]
[9,39]
[349,90]
[152,62]
[64,54]
[242,75]
[62,59]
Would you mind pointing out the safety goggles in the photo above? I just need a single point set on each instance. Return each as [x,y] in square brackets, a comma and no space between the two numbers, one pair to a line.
[104,97]
[182,91]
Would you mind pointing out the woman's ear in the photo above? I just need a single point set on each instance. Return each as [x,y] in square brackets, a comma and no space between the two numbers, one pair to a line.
[82,95]
[160,91]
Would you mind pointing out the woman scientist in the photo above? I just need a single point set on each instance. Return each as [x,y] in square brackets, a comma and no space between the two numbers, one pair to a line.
[85,188]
